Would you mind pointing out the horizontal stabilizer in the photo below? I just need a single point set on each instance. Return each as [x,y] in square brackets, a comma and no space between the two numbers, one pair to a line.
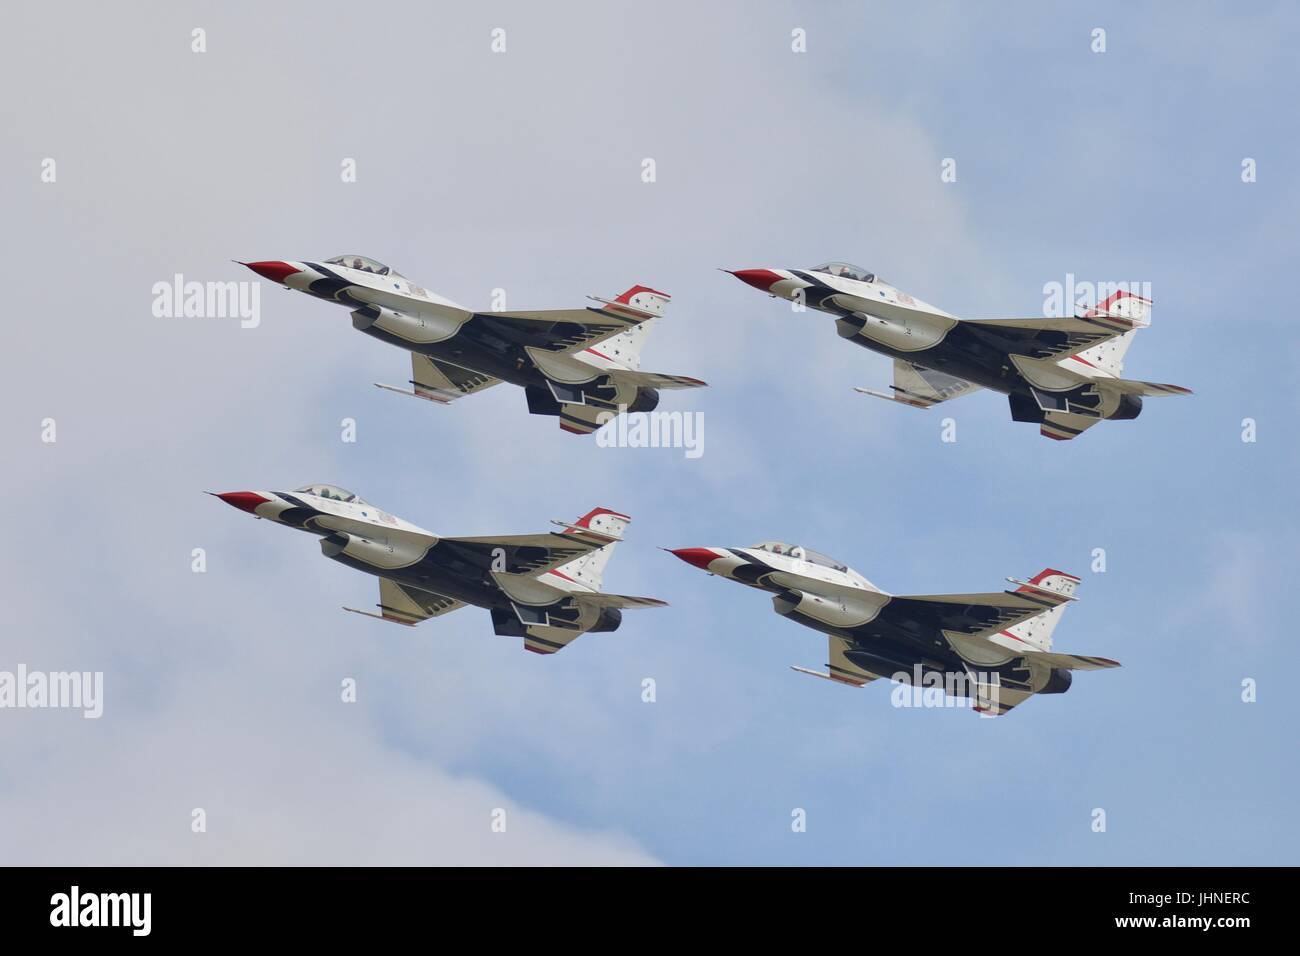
[624,601]
[978,648]
[1128,386]
[1073,662]
[849,682]
[655,379]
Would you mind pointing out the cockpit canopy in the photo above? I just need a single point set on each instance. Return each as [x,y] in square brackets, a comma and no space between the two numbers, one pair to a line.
[846,270]
[332,492]
[362,264]
[802,554]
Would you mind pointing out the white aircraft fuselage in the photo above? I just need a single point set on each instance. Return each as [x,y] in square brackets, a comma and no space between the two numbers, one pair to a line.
[581,366]
[1003,637]
[1063,374]
[542,587]
[357,534]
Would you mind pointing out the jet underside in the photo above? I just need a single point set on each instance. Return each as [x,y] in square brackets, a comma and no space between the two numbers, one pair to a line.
[447,568]
[886,648]
[974,355]
[980,356]
[484,345]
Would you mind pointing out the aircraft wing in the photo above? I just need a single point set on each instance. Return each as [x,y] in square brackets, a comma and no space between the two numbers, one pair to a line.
[440,381]
[839,668]
[977,615]
[1037,337]
[526,553]
[1052,338]
[564,330]
[403,604]
[922,387]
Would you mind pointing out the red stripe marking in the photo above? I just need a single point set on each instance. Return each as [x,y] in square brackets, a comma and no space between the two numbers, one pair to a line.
[1048,572]
[626,297]
[585,520]
[1111,300]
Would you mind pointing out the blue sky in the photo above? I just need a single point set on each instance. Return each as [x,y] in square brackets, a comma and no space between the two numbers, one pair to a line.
[522,171]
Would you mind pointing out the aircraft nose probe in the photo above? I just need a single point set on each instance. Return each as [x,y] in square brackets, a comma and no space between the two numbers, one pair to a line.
[243,500]
[699,557]
[760,279]
[272,269]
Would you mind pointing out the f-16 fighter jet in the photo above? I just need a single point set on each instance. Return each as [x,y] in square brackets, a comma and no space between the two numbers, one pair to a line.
[995,649]
[1063,374]
[543,587]
[580,365]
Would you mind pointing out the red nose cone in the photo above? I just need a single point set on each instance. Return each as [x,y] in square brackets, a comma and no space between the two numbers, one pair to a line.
[761,279]
[243,500]
[700,557]
[275,271]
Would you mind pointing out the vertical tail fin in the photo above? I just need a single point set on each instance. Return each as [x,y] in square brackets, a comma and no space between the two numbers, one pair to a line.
[625,347]
[1109,355]
[1037,631]
[590,568]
